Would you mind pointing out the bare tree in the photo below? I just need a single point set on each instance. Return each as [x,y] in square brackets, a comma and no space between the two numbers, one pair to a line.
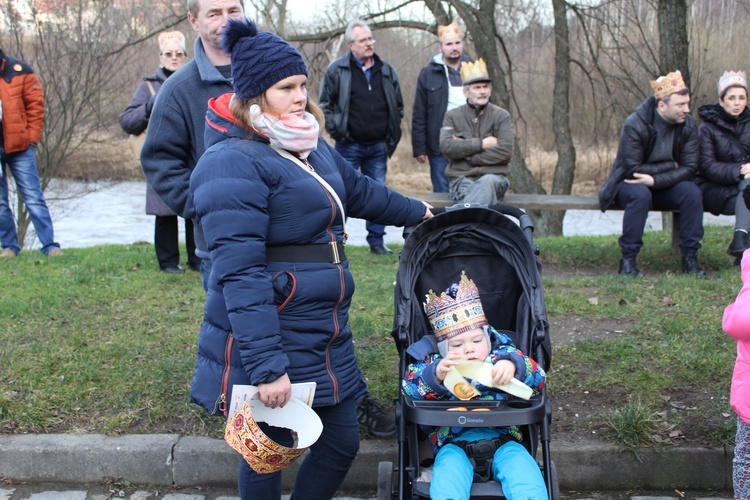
[79,49]
[566,152]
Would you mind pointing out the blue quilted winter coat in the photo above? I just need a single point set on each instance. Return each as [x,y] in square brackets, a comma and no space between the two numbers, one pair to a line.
[263,319]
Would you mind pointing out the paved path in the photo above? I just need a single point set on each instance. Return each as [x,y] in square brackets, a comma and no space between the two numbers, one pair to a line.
[107,492]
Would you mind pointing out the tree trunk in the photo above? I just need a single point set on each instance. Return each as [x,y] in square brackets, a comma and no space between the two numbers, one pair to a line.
[673,38]
[673,49]
[566,153]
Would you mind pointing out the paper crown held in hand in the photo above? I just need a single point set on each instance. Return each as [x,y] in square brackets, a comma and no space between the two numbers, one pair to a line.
[263,454]
[667,85]
[450,316]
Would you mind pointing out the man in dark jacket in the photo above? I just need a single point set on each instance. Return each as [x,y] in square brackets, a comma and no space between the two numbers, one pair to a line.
[21,124]
[363,107]
[174,141]
[439,89]
[654,169]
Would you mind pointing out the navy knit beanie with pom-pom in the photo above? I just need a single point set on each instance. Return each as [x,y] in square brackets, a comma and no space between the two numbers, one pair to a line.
[259,58]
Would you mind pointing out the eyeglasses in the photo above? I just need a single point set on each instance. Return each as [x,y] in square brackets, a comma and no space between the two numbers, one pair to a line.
[361,41]
[170,55]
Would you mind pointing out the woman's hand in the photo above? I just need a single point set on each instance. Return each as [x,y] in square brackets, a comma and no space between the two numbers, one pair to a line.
[503,371]
[745,170]
[428,212]
[276,393]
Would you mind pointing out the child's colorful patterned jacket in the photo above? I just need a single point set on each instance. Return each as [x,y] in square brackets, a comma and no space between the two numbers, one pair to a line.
[420,382]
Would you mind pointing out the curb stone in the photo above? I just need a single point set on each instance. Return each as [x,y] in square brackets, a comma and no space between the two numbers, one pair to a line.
[169,459]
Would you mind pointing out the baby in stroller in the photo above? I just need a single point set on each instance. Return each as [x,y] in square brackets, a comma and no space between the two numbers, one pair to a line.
[461,332]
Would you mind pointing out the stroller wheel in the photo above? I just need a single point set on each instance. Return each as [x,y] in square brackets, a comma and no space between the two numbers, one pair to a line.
[385,481]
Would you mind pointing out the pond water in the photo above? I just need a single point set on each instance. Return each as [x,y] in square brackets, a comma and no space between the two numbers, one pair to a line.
[85,215]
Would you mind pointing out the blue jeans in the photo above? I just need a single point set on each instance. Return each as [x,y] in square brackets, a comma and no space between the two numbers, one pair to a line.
[512,467]
[372,162]
[437,173]
[637,200]
[323,470]
[22,166]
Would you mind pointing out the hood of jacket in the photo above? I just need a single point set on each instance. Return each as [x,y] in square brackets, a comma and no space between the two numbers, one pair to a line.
[221,123]
[715,113]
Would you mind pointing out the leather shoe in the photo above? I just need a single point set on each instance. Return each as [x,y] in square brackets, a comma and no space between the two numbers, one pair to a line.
[739,244]
[380,249]
[690,266]
[628,268]
[173,270]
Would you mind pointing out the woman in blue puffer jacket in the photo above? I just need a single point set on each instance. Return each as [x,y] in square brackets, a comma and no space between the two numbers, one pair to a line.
[269,193]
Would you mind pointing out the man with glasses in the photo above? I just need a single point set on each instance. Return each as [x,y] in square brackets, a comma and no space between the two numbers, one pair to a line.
[174,141]
[361,99]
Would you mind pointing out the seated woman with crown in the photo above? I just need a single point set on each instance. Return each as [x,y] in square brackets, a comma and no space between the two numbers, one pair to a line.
[724,168]
[461,332]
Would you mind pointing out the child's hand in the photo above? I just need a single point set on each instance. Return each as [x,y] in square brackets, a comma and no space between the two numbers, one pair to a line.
[443,366]
[503,371]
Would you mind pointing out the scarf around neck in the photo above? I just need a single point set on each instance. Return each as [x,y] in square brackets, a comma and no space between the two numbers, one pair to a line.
[290,132]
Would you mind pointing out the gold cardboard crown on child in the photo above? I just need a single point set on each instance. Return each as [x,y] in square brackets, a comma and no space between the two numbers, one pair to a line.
[450,32]
[474,72]
[450,317]
[730,78]
[668,85]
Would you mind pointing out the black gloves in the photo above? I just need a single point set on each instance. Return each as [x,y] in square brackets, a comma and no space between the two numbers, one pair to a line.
[746,195]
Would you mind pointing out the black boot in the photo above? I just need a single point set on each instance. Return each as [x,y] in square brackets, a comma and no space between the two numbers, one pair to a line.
[690,266]
[628,268]
[739,244]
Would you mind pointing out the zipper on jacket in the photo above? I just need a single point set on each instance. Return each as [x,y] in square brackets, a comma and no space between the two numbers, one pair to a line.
[221,402]
[338,303]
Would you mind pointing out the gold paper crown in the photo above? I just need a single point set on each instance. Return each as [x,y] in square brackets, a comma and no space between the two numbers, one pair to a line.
[474,72]
[730,78]
[263,454]
[450,32]
[450,317]
[668,85]
[169,38]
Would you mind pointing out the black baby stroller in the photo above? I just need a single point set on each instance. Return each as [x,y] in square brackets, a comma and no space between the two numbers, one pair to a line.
[501,258]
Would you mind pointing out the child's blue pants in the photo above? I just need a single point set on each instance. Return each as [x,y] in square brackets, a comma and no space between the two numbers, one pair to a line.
[512,467]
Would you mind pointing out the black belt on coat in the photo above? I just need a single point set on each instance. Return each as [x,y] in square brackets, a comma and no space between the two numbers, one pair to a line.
[324,252]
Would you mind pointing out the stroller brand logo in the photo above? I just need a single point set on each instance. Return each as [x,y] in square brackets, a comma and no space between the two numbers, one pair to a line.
[464,420]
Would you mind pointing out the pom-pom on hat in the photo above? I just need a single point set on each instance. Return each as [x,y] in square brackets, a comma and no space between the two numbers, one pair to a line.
[474,72]
[732,79]
[259,58]
[450,32]
[667,85]
[456,311]
[171,39]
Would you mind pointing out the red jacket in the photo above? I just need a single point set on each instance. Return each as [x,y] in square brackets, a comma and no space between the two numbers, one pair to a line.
[23,104]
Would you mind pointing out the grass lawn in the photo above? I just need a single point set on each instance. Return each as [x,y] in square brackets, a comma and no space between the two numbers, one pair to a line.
[99,341]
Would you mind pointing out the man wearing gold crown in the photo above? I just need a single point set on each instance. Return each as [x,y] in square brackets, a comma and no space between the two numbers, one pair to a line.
[654,170]
[461,332]
[477,138]
[439,89]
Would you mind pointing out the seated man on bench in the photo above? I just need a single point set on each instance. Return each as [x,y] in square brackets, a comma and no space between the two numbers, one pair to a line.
[477,138]
[654,169]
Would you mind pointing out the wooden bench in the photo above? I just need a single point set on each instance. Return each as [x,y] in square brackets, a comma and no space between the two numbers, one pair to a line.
[553,202]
